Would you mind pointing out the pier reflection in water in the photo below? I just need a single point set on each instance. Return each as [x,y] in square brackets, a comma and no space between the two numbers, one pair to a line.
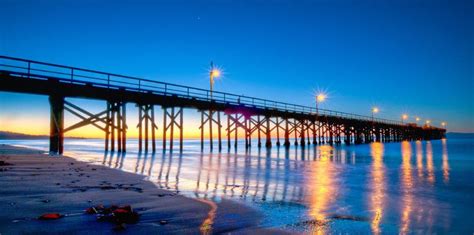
[376,188]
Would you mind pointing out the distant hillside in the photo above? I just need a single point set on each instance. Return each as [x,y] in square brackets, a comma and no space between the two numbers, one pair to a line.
[459,135]
[19,136]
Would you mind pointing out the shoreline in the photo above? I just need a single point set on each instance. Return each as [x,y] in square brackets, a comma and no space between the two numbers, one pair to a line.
[33,183]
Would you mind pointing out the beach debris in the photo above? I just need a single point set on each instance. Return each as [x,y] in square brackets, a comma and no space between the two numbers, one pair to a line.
[163,222]
[349,217]
[46,201]
[50,216]
[120,215]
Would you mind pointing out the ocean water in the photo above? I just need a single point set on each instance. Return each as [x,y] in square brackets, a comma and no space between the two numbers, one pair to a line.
[409,187]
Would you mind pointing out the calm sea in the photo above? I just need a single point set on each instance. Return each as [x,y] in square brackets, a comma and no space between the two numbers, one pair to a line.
[408,187]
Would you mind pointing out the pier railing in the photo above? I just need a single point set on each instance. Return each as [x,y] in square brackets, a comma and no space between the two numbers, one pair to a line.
[40,70]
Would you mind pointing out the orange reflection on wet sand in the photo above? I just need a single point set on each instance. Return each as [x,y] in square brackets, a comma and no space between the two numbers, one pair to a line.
[206,226]
[321,188]
[378,184]
[407,187]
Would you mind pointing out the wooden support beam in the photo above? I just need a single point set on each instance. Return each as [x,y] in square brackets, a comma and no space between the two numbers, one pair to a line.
[172,120]
[287,133]
[124,127]
[211,144]
[56,135]
[278,131]
[153,137]
[228,131]
[107,127]
[165,125]
[119,128]
[202,131]
[236,133]
[268,142]
[146,119]
[219,131]
[181,127]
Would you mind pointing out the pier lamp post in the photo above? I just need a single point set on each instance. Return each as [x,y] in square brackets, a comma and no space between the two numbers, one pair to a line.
[404,117]
[321,97]
[417,119]
[444,124]
[428,123]
[213,74]
[374,111]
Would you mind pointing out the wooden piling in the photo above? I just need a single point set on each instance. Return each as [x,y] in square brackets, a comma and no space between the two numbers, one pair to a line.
[278,131]
[228,131]
[112,137]
[153,125]
[172,128]
[268,143]
[202,130]
[219,130]
[107,127]
[258,131]
[119,127]
[181,127]
[236,131]
[146,111]
[165,125]
[124,127]
[287,134]
[140,120]
[56,135]
[211,144]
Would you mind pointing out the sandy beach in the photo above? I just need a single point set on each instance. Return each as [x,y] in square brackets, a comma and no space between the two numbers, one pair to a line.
[33,183]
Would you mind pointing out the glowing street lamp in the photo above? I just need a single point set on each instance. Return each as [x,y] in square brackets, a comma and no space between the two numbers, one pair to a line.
[404,117]
[213,74]
[374,111]
[443,124]
[321,97]
[417,119]
[428,122]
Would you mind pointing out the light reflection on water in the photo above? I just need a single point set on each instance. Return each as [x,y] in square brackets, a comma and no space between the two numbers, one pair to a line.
[378,185]
[377,188]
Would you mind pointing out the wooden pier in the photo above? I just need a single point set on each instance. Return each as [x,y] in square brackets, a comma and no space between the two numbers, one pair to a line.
[249,116]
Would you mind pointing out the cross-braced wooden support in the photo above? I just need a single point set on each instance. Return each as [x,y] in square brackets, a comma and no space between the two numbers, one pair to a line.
[112,121]
[146,124]
[115,124]
[234,122]
[277,127]
[175,120]
[207,116]
[262,126]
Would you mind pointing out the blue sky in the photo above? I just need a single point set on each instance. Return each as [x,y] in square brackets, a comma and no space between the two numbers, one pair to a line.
[412,57]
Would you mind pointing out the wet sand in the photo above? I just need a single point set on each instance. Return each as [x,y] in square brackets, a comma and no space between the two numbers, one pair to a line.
[33,183]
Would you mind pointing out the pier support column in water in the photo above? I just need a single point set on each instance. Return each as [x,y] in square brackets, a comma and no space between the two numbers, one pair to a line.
[278,131]
[302,133]
[287,134]
[56,135]
[173,122]
[268,143]
[259,129]
[116,125]
[146,113]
